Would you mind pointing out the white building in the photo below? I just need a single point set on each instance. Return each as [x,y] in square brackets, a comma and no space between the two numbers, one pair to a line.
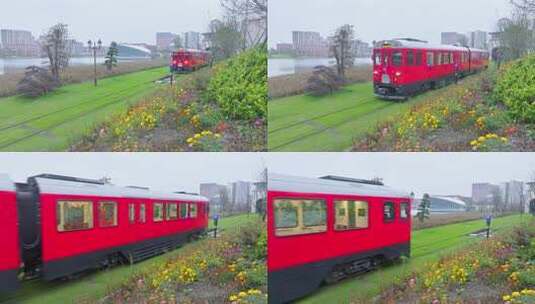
[192,40]
[479,40]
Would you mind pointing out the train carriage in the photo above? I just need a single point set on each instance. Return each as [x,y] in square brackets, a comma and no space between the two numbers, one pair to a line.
[322,230]
[183,61]
[405,67]
[9,237]
[68,225]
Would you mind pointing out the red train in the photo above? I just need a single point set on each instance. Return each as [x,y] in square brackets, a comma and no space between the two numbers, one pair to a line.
[56,226]
[405,67]
[323,230]
[189,60]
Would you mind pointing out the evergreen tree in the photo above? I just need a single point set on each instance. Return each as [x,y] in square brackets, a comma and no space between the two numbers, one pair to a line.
[423,208]
[111,56]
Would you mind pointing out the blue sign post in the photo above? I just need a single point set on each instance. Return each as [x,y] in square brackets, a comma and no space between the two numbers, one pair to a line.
[488,221]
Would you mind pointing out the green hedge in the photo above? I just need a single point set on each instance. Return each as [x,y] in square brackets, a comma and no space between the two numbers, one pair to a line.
[239,85]
[516,89]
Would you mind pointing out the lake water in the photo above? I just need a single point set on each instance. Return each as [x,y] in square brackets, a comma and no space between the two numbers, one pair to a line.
[10,65]
[278,67]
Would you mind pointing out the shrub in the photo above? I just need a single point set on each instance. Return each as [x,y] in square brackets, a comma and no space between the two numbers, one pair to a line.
[239,85]
[323,81]
[516,89]
[36,82]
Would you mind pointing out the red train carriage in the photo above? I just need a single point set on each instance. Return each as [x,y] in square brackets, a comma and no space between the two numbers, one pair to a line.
[322,230]
[68,225]
[404,67]
[9,236]
[189,60]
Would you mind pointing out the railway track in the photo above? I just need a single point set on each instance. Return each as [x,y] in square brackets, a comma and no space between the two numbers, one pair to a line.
[118,97]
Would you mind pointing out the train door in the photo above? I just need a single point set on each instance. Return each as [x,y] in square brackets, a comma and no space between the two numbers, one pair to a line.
[9,236]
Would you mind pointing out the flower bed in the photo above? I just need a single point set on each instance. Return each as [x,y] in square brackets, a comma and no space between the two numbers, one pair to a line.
[499,270]
[177,118]
[463,117]
[230,269]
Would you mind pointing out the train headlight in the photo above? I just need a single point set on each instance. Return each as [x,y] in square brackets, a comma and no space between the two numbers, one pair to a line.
[398,74]
[375,72]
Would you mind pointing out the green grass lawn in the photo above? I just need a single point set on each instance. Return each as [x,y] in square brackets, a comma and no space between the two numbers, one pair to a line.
[93,286]
[52,122]
[328,123]
[427,245]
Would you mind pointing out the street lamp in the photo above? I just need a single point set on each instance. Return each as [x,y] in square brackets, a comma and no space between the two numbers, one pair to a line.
[94,46]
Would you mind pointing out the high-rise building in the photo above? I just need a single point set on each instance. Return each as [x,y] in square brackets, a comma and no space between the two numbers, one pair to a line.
[361,49]
[309,44]
[483,193]
[241,196]
[479,40]
[192,40]
[452,38]
[164,40]
[512,194]
[217,194]
[19,43]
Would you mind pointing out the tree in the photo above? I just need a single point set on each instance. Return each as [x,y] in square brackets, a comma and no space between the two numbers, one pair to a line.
[178,42]
[324,80]
[111,56]
[341,48]
[57,49]
[424,208]
[516,35]
[226,38]
[497,201]
[246,12]
[37,82]
[524,5]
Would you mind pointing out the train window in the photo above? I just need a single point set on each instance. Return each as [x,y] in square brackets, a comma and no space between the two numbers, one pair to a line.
[157,212]
[389,213]
[107,214]
[74,215]
[377,58]
[419,55]
[172,212]
[142,213]
[183,211]
[437,58]
[430,59]
[397,58]
[410,57]
[193,210]
[296,217]
[131,213]
[404,210]
[351,215]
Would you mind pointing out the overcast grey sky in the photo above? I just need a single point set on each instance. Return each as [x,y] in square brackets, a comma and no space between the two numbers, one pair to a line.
[434,173]
[119,20]
[384,19]
[159,171]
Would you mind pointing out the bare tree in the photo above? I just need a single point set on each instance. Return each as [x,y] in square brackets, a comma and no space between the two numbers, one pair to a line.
[516,35]
[252,16]
[57,48]
[341,48]
[226,37]
[524,5]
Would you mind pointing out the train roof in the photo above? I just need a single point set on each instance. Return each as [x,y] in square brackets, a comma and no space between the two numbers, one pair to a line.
[50,184]
[6,184]
[288,183]
[420,44]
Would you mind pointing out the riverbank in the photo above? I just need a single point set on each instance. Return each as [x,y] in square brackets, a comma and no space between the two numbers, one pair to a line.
[294,84]
[81,73]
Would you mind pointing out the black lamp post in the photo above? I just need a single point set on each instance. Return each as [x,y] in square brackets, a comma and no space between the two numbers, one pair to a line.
[94,46]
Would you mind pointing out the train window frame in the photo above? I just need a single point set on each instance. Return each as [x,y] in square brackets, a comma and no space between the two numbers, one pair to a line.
[377,58]
[394,59]
[131,213]
[160,219]
[393,218]
[115,222]
[142,213]
[407,208]
[90,222]
[168,213]
[300,229]
[193,210]
[181,215]
[357,210]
